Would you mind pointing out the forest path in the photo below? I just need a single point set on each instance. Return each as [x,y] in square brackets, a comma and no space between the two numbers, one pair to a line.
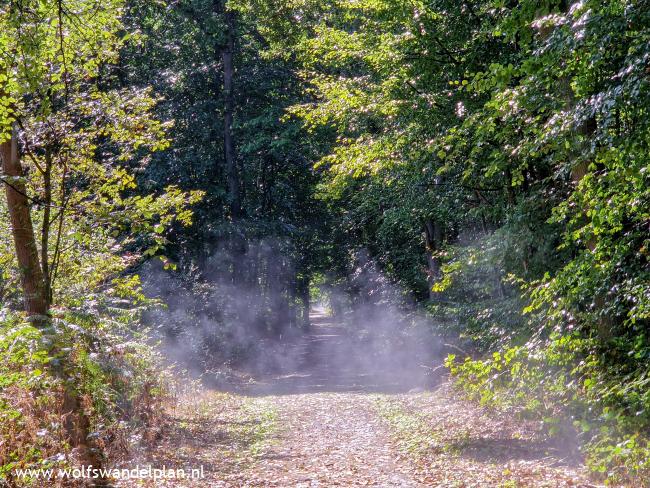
[328,419]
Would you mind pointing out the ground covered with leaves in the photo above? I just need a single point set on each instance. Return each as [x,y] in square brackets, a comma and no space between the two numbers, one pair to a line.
[359,439]
[328,425]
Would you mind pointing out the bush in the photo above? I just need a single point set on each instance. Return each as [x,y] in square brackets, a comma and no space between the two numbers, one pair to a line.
[109,368]
[569,384]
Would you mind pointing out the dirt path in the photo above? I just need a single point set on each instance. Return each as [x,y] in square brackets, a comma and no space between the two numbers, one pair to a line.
[328,439]
[322,420]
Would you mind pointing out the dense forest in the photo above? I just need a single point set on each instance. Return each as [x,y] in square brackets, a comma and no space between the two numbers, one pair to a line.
[185,180]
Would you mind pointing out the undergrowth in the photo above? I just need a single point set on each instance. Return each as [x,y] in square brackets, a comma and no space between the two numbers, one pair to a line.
[576,388]
[260,430]
[102,361]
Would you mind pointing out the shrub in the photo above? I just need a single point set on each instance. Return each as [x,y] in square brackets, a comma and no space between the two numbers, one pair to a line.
[569,384]
[112,370]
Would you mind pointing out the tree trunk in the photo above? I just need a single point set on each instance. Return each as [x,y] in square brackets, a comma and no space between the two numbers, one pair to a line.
[303,292]
[45,229]
[229,108]
[31,273]
[433,241]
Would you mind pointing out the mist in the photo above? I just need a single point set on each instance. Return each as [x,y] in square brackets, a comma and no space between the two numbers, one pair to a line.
[249,333]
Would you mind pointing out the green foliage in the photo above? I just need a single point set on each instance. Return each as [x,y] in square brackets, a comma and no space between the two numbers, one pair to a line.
[577,388]
[490,157]
[105,362]
[56,47]
[82,139]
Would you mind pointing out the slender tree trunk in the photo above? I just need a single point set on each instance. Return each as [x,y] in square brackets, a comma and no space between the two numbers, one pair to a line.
[292,299]
[510,191]
[433,241]
[229,108]
[31,273]
[303,292]
[45,230]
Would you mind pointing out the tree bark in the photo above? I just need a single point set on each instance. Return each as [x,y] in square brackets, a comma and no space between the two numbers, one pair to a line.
[433,241]
[31,274]
[303,291]
[45,229]
[229,108]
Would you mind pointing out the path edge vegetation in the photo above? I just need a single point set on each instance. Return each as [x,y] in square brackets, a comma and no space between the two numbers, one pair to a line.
[80,379]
